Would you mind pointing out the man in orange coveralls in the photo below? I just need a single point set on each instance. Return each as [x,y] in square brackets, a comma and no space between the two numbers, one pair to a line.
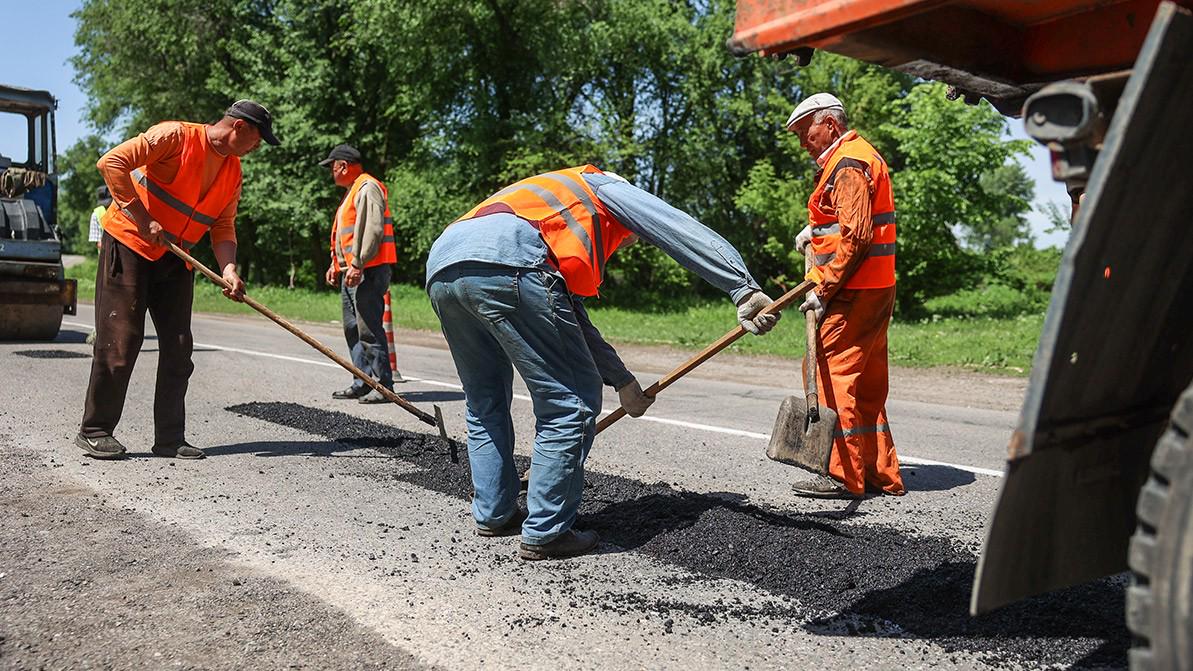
[851,236]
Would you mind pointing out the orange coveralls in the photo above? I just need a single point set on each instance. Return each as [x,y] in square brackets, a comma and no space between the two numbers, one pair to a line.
[852,372]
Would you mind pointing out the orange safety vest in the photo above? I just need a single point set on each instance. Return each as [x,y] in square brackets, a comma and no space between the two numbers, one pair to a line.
[345,223]
[877,271]
[580,232]
[176,205]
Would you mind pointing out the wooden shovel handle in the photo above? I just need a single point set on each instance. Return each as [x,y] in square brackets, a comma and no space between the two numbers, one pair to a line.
[709,352]
[811,394]
[281,321]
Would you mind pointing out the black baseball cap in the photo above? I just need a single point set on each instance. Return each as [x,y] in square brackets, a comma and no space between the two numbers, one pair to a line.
[256,114]
[341,152]
[103,195]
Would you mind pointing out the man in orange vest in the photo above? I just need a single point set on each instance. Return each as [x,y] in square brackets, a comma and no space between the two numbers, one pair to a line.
[507,281]
[362,250]
[851,237]
[176,181]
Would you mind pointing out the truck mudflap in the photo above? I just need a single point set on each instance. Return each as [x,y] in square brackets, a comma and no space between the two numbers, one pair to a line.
[1116,350]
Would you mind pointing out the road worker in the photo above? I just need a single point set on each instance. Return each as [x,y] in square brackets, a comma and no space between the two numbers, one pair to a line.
[363,253]
[851,237]
[176,181]
[507,281]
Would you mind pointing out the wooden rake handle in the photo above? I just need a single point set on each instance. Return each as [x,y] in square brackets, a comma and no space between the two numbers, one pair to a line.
[281,321]
[709,352]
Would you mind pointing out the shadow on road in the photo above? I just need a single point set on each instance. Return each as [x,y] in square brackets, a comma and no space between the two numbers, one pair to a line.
[934,477]
[431,396]
[296,448]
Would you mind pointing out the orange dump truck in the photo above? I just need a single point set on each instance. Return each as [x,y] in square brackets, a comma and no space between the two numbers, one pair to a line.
[1099,474]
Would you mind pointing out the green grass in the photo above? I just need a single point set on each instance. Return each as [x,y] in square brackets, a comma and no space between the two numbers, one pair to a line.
[991,344]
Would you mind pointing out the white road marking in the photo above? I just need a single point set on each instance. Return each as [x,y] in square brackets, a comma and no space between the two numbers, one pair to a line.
[911,461]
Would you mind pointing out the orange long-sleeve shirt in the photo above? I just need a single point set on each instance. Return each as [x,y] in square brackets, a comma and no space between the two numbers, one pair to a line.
[159,149]
[851,199]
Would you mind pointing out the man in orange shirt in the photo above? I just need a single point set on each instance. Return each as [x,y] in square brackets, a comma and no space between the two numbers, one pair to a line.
[176,181]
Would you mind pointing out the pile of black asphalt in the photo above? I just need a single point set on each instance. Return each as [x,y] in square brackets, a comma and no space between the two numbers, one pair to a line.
[842,577]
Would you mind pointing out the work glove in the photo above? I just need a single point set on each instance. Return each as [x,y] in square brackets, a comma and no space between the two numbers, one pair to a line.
[748,313]
[812,302]
[803,239]
[633,399]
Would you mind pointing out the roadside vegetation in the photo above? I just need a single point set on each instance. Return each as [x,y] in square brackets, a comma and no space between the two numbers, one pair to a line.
[449,100]
[992,343]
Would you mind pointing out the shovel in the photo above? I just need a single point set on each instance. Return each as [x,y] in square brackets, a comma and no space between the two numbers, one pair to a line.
[803,434]
[435,420]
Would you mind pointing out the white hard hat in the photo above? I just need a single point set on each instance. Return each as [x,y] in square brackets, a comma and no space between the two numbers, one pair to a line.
[814,103]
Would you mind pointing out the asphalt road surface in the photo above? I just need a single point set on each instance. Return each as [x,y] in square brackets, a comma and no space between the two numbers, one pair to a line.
[327,534]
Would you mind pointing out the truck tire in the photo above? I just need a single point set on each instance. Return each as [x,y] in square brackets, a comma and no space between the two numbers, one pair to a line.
[1160,600]
[30,322]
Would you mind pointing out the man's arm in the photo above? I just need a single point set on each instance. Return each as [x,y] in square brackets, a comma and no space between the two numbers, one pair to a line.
[160,142]
[694,245]
[612,369]
[370,224]
[851,200]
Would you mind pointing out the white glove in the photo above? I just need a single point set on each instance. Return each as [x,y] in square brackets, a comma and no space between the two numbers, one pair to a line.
[803,239]
[812,302]
[747,313]
[633,399]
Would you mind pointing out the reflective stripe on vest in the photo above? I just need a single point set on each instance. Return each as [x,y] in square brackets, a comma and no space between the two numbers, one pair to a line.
[184,216]
[877,270]
[579,231]
[343,227]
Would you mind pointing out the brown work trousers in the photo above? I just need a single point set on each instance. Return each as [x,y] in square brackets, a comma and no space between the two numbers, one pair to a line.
[127,285]
[853,379]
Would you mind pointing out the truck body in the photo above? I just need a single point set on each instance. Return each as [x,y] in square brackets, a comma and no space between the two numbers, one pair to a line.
[34,292]
[1099,474]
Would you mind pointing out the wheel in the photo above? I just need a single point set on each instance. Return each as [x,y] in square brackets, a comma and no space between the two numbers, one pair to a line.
[1160,600]
[30,322]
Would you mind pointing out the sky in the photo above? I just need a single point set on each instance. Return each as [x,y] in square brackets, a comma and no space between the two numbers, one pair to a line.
[46,29]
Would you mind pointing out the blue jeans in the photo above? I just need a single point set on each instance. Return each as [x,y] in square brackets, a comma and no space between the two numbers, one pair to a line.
[363,311]
[497,318]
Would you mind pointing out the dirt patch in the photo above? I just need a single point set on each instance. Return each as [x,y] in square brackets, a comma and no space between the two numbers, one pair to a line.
[842,578]
[84,584]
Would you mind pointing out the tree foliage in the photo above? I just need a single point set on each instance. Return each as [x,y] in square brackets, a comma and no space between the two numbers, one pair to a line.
[449,100]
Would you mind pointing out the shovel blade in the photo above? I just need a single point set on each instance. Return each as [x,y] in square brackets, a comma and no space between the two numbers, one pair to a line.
[798,441]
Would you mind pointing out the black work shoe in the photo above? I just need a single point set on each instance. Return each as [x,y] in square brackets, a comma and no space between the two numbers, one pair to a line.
[104,447]
[569,544]
[373,396]
[350,393]
[183,450]
[512,526]
[822,487]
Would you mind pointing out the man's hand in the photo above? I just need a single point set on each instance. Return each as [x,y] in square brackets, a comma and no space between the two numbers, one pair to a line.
[333,273]
[812,302]
[803,239]
[236,293]
[748,313]
[152,232]
[353,276]
[633,399]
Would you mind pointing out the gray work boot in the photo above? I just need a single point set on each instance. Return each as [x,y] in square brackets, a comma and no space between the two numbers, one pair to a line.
[104,447]
[183,450]
[568,544]
[512,526]
[398,379]
[351,392]
[822,487]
